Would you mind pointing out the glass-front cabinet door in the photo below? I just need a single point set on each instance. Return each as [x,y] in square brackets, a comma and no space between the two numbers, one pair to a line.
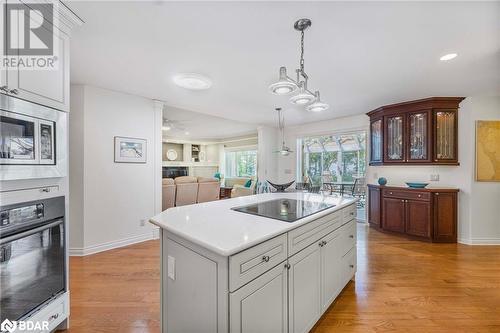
[445,141]
[376,141]
[394,139]
[418,137]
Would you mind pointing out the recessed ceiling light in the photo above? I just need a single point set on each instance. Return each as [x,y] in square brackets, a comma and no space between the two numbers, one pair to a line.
[192,81]
[448,56]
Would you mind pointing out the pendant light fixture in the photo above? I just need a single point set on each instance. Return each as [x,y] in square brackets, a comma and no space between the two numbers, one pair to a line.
[287,85]
[284,150]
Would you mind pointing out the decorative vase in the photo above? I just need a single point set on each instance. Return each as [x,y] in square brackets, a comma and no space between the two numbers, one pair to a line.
[382,181]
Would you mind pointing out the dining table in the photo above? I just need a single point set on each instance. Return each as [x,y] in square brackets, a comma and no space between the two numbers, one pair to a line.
[338,186]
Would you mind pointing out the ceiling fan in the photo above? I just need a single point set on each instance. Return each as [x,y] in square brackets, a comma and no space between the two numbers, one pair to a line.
[284,150]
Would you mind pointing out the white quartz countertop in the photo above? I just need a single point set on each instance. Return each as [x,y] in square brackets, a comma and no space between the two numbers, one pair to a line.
[214,226]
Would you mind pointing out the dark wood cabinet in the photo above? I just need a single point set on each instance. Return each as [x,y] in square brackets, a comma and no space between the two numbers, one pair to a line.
[394,214]
[418,217]
[445,216]
[429,214]
[418,132]
[374,211]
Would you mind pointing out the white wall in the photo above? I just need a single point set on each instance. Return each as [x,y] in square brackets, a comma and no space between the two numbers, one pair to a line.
[267,159]
[109,200]
[479,202]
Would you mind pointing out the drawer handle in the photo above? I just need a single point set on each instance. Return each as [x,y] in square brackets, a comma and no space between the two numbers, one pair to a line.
[352,266]
[322,243]
[420,195]
[351,236]
[287,266]
[390,192]
[265,258]
[14,91]
[352,213]
[54,316]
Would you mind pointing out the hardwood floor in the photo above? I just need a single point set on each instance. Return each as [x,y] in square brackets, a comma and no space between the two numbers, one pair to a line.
[401,286]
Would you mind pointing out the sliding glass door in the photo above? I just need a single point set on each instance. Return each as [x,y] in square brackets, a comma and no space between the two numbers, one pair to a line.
[333,158]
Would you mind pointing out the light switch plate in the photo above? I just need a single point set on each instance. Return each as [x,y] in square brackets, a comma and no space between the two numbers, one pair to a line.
[171,267]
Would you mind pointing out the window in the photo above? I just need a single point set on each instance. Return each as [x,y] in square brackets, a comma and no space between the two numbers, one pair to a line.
[241,163]
[333,158]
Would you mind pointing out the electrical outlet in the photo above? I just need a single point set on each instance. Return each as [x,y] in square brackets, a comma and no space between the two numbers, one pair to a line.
[435,177]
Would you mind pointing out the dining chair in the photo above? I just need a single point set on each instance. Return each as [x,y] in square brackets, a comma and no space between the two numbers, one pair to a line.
[359,190]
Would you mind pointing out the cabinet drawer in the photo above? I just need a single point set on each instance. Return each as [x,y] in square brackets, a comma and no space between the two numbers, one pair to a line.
[407,194]
[249,264]
[348,268]
[304,236]
[349,213]
[348,237]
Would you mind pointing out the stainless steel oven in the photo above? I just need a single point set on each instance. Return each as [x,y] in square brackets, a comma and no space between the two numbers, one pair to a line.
[32,140]
[32,256]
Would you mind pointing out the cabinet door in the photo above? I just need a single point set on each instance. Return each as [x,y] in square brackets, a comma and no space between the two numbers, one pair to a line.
[3,40]
[445,136]
[418,148]
[394,214]
[261,305]
[376,141]
[49,87]
[304,292]
[374,211]
[445,217]
[330,269]
[394,139]
[418,218]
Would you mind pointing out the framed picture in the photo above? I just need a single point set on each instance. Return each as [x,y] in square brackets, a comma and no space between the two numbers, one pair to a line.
[130,150]
[488,150]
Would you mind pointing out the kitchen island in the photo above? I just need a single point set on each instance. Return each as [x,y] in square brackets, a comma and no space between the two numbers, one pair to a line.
[233,271]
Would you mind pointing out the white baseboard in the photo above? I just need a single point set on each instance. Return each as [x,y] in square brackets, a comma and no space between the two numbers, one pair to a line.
[78,252]
[479,241]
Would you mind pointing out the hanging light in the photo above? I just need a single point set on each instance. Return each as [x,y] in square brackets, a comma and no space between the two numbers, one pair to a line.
[284,150]
[284,86]
[287,85]
[303,97]
[317,106]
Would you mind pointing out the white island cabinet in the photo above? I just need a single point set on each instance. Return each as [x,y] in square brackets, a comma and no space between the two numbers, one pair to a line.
[227,271]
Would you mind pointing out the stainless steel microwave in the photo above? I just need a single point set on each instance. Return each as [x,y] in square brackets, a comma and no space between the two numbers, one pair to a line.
[33,140]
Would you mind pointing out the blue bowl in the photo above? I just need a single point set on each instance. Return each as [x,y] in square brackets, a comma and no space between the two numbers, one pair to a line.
[416,184]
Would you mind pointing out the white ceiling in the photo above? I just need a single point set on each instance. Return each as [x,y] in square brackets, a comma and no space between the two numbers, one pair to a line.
[360,55]
[202,126]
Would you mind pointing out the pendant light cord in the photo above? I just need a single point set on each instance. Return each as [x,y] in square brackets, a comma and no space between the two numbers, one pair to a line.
[302,52]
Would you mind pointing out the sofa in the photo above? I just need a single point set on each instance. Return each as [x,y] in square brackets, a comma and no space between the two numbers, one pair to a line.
[238,185]
[187,190]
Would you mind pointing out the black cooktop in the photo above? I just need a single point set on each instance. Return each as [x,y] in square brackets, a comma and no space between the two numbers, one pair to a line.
[287,210]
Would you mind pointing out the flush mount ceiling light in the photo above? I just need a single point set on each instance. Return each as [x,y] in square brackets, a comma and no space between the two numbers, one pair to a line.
[287,85]
[448,56]
[192,81]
